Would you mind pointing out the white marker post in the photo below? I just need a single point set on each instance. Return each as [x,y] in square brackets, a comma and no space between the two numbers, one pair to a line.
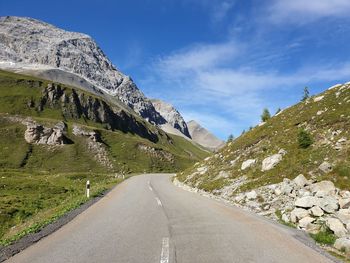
[88,188]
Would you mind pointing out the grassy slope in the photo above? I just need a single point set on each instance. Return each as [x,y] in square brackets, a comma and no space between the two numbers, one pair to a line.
[280,132]
[39,182]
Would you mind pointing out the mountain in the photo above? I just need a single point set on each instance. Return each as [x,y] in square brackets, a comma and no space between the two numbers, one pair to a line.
[33,47]
[203,137]
[172,116]
[294,168]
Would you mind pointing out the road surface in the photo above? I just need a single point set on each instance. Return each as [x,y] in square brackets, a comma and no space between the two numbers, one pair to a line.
[148,219]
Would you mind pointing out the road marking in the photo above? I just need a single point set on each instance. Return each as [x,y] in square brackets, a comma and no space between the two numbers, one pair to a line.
[158,201]
[164,256]
[149,186]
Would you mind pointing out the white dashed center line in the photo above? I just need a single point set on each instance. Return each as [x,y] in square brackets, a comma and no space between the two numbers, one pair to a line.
[164,256]
[158,201]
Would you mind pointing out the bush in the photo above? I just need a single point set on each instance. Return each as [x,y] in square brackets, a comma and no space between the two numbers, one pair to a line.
[304,139]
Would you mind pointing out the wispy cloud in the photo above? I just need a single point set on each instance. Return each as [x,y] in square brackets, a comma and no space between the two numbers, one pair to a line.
[221,10]
[302,11]
[230,97]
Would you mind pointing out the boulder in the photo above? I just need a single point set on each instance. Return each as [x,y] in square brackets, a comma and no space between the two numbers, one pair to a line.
[343,244]
[328,204]
[344,216]
[305,221]
[316,211]
[325,167]
[323,188]
[312,228]
[222,175]
[271,161]
[248,163]
[301,181]
[306,202]
[336,226]
[297,214]
[344,203]
[251,195]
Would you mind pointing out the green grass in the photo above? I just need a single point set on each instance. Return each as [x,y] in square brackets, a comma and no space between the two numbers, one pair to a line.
[281,132]
[40,183]
[325,237]
[29,201]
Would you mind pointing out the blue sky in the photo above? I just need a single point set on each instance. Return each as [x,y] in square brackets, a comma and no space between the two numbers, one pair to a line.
[218,61]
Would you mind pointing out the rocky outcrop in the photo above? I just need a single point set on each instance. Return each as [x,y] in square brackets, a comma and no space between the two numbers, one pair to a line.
[37,48]
[156,153]
[248,163]
[75,105]
[171,115]
[270,162]
[39,134]
[95,145]
[203,137]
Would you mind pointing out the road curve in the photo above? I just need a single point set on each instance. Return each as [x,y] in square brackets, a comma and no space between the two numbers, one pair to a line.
[148,219]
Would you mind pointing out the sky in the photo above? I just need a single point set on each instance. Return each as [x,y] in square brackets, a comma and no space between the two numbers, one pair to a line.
[219,62]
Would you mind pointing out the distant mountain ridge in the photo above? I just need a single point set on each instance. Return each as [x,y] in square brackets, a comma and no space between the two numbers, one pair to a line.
[203,137]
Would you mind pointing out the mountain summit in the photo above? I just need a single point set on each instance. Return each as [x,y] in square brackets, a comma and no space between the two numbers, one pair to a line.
[36,48]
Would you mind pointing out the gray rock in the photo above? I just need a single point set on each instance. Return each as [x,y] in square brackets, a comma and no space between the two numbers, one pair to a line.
[316,211]
[251,195]
[248,163]
[344,202]
[344,216]
[270,162]
[328,204]
[336,226]
[343,243]
[285,218]
[297,214]
[38,134]
[312,228]
[301,181]
[326,167]
[307,202]
[305,221]
[323,188]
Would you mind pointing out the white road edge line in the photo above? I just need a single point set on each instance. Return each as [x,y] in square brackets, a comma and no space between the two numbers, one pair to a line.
[164,256]
[158,201]
[149,186]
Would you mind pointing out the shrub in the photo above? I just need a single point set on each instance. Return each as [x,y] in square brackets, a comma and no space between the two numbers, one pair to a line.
[304,139]
[325,237]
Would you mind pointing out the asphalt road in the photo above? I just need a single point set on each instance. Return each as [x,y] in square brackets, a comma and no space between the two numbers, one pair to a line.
[148,219]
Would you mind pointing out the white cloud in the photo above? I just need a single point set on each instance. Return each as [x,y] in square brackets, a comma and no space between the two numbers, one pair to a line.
[221,10]
[197,57]
[302,11]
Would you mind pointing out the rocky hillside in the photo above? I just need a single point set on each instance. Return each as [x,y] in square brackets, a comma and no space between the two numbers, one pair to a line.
[172,116]
[294,168]
[203,137]
[37,48]
[64,122]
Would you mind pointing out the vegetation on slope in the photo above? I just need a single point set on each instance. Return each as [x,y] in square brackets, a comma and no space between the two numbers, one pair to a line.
[325,124]
[40,182]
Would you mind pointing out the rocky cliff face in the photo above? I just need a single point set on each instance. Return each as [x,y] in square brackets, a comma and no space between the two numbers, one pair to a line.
[38,48]
[75,104]
[203,137]
[171,115]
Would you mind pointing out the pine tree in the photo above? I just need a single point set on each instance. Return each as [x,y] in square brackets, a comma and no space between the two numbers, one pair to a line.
[230,138]
[265,115]
[306,94]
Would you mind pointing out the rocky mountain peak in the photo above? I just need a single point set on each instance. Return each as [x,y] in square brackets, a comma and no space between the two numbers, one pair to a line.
[171,115]
[203,137]
[44,50]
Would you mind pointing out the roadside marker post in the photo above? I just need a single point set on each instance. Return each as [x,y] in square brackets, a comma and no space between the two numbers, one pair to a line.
[88,188]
